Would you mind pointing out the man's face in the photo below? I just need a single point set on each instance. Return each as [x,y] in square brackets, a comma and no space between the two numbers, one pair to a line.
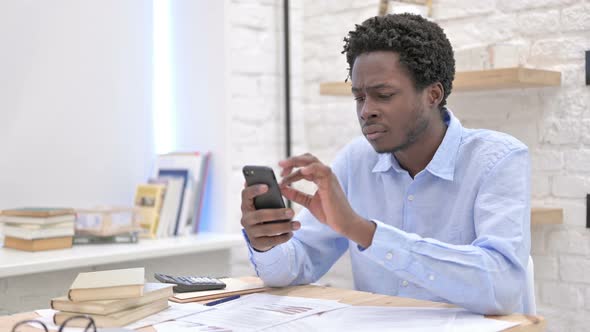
[392,114]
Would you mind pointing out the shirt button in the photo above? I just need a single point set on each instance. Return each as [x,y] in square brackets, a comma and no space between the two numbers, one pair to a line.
[431,277]
[405,283]
[411,198]
[389,256]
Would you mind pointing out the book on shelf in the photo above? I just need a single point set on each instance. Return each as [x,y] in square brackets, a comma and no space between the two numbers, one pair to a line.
[131,237]
[37,215]
[233,286]
[196,164]
[148,201]
[41,212]
[176,192]
[38,244]
[202,185]
[38,231]
[151,293]
[107,285]
[170,213]
[116,319]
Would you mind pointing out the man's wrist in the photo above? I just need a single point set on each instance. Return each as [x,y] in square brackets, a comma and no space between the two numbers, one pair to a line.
[361,231]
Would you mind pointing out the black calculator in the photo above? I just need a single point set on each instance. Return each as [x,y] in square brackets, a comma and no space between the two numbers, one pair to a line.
[190,283]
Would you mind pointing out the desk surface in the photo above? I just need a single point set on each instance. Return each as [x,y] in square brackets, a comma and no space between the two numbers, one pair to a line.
[16,262]
[527,323]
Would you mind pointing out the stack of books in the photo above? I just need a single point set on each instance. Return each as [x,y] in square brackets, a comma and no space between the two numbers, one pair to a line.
[38,228]
[113,298]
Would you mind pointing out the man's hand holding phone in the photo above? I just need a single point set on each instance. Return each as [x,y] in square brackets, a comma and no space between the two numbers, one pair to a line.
[270,224]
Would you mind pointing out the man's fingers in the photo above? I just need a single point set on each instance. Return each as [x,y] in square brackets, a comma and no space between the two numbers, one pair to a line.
[314,172]
[273,229]
[297,196]
[249,193]
[267,242]
[292,177]
[251,218]
[297,161]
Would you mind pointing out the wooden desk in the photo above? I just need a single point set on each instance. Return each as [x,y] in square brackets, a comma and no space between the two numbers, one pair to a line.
[527,323]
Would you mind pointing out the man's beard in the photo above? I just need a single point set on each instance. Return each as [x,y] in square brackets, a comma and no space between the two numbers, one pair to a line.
[412,136]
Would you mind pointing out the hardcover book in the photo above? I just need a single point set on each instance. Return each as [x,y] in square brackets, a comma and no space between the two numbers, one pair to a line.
[151,293]
[117,319]
[38,244]
[38,215]
[41,212]
[33,232]
[108,285]
[176,177]
[148,200]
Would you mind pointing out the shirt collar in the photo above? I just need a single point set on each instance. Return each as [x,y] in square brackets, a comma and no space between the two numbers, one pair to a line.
[385,161]
[443,162]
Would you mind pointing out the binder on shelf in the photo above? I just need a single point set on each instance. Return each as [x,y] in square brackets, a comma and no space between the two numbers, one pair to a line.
[196,164]
[177,185]
[107,285]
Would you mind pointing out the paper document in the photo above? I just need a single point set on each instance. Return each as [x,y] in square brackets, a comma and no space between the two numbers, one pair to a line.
[175,311]
[178,326]
[393,319]
[261,311]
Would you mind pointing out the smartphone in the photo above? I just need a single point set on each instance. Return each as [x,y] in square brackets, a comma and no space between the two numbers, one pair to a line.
[272,199]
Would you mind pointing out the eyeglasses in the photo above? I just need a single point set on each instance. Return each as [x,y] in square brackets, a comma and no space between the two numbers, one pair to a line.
[90,325]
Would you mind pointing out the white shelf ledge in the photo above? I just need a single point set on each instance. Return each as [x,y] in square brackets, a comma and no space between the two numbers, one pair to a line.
[15,262]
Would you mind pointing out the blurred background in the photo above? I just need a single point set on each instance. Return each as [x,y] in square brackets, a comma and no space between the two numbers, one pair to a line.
[92,91]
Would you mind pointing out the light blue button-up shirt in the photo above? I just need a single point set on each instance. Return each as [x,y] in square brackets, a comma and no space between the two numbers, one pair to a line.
[458,232]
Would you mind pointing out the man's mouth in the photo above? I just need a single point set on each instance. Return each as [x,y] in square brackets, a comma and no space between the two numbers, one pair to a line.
[375,136]
[373,132]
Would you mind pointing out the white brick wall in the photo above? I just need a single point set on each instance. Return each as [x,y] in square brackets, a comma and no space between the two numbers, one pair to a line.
[553,122]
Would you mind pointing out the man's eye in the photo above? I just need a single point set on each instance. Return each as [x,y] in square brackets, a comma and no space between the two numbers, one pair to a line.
[359,98]
[385,96]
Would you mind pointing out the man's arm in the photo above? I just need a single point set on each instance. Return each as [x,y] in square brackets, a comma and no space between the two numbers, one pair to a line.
[309,254]
[487,276]
[303,259]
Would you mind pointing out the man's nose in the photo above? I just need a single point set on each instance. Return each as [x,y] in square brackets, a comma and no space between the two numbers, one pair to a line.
[368,111]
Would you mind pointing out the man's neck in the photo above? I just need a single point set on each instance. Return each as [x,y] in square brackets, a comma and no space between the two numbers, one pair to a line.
[416,157]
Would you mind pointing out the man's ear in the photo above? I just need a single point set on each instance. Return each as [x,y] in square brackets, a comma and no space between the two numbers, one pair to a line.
[434,94]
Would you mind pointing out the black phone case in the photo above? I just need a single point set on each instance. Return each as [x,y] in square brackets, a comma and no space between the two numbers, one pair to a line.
[272,199]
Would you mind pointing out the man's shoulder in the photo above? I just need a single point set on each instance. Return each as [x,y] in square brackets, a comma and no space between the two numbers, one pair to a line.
[488,147]
[490,139]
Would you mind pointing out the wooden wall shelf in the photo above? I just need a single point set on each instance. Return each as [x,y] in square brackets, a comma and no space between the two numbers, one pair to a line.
[546,216]
[506,78]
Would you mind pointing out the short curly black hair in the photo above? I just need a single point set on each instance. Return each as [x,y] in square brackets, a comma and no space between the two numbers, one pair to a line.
[423,48]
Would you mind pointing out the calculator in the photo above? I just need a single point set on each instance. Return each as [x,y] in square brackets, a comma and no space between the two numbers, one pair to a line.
[190,283]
